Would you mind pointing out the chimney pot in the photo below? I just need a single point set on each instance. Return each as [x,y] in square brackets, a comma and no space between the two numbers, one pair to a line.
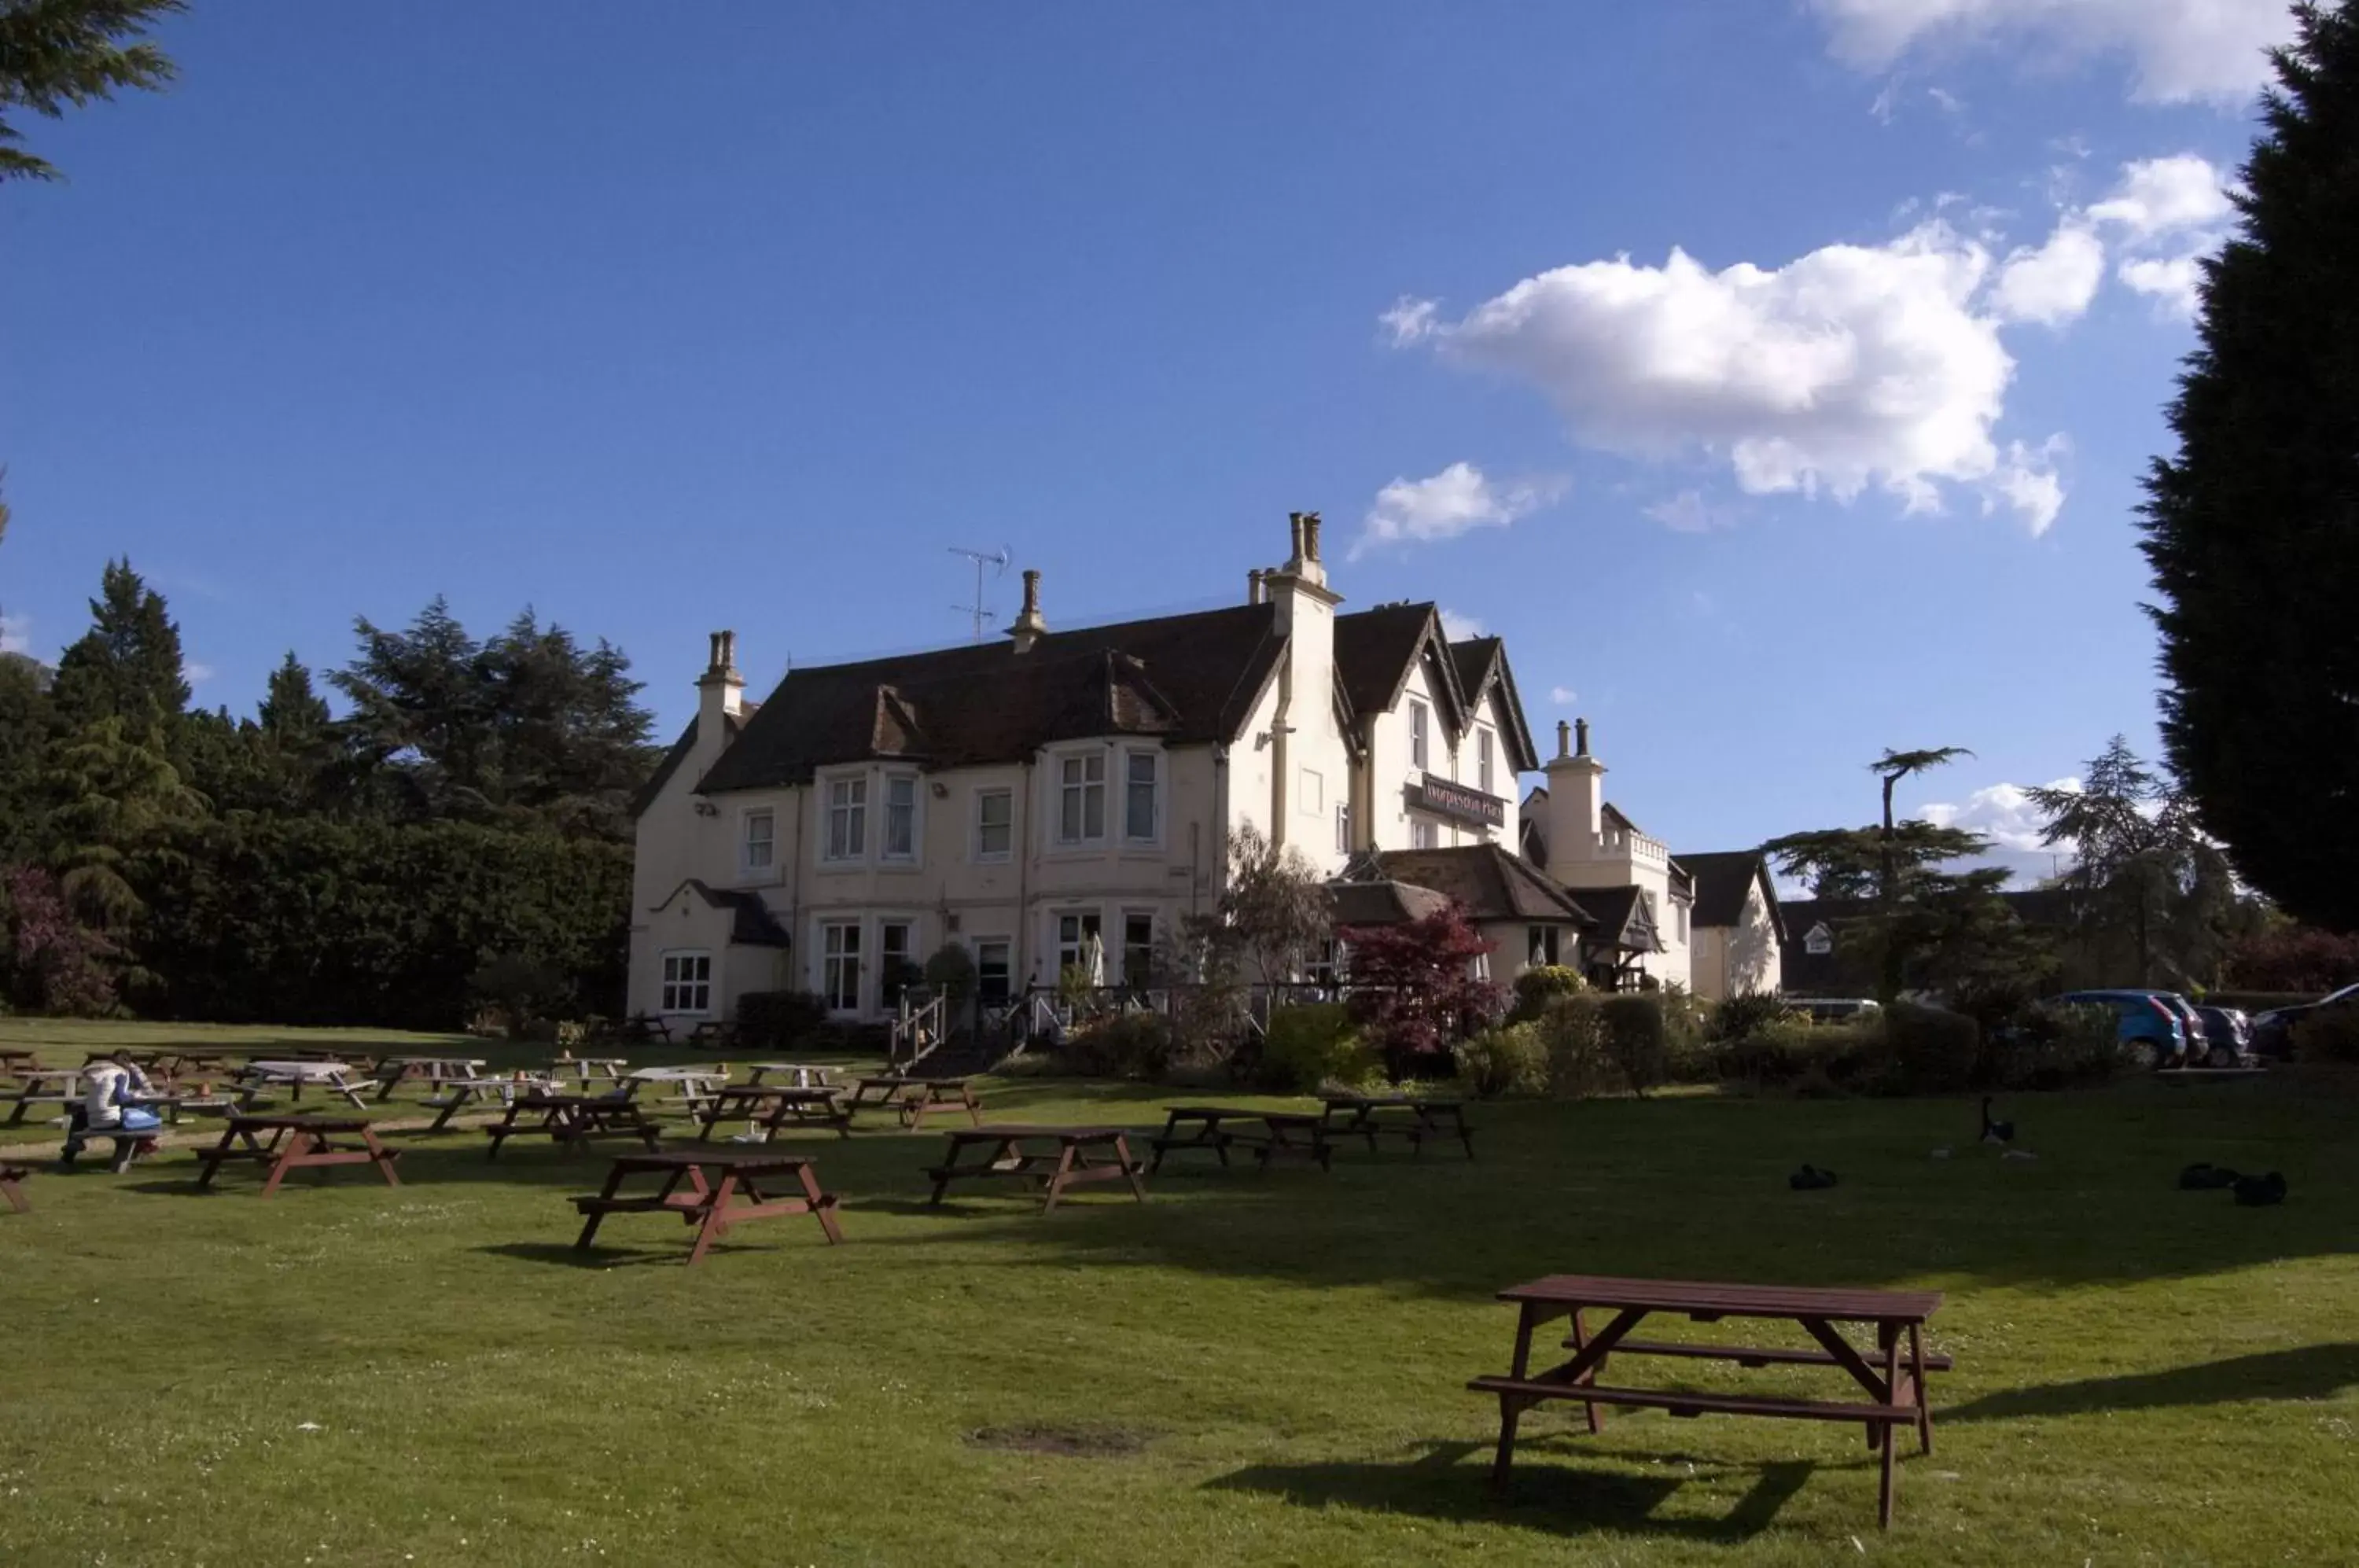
[728,650]
[713,660]
[1563,738]
[1028,626]
[1294,530]
[1580,735]
[1310,536]
[1031,591]
[1253,586]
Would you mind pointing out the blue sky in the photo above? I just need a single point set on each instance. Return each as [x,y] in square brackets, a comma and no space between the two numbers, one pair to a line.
[662,330]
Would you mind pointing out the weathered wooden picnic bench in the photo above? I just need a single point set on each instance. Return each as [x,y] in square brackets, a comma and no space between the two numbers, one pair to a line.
[127,1141]
[295,1143]
[713,1206]
[294,1074]
[1894,1382]
[913,1099]
[768,1107]
[798,1074]
[1055,1158]
[12,1188]
[43,1086]
[392,1072]
[572,1121]
[1412,1119]
[1268,1136]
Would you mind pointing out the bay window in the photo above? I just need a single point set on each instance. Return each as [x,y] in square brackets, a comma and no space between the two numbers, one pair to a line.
[1141,780]
[900,816]
[1081,799]
[838,968]
[847,818]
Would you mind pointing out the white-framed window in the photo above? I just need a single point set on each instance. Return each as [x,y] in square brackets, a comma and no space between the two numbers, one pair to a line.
[1343,827]
[839,965]
[1544,945]
[1420,721]
[758,843]
[1142,789]
[847,818]
[995,971]
[1482,760]
[1819,941]
[896,942]
[687,982]
[1081,798]
[1682,908]
[1422,834]
[1137,948]
[1326,963]
[901,817]
[1080,935]
[995,824]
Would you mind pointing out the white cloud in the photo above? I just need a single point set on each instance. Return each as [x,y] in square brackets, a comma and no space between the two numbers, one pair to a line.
[1458,627]
[2004,814]
[1407,321]
[1445,505]
[2173,282]
[2026,481]
[1849,367]
[197,674]
[15,634]
[1689,513]
[2161,196]
[2053,284]
[2182,49]
[1563,696]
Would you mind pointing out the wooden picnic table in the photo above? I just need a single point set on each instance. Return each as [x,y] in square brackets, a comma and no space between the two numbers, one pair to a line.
[43,1086]
[1412,1119]
[573,1120]
[582,1069]
[1059,1157]
[392,1072]
[768,1107]
[14,1057]
[799,1074]
[294,1074]
[647,1026]
[1894,1382]
[12,1187]
[297,1143]
[1268,1135]
[717,1178]
[455,1094]
[913,1099]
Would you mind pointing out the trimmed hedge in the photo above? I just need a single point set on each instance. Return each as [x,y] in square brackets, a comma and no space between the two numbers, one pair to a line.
[1510,1058]
[1314,1044]
[779,1020]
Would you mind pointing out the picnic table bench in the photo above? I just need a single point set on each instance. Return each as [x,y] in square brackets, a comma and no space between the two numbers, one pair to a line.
[295,1143]
[1057,1157]
[799,1074]
[12,1187]
[582,1069]
[1893,1383]
[573,1120]
[770,1106]
[913,1099]
[14,1057]
[455,1094]
[392,1072]
[294,1074]
[1268,1135]
[1412,1119]
[641,1026]
[43,1086]
[711,1206]
[692,1087]
[126,1141]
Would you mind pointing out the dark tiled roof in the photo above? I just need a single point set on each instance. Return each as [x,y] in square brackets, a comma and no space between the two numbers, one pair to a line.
[1723,879]
[1490,883]
[1621,917]
[678,754]
[1480,661]
[1381,903]
[1374,650]
[751,922]
[1183,677]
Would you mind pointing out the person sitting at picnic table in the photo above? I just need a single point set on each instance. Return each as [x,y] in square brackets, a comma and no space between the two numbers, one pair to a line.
[109,1103]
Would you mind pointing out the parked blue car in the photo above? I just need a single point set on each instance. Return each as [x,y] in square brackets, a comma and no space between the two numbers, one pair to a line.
[2154,1023]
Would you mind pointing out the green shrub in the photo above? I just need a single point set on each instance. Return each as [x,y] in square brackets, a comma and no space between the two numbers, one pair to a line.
[1687,1024]
[949,973]
[1507,1059]
[2328,1034]
[1793,1050]
[1540,984]
[1637,1037]
[2052,1045]
[522,987]
[1928,1050]
[1311,1045]
[1573,1037]
[1119,1045]
[1739,1018]
[779,1020]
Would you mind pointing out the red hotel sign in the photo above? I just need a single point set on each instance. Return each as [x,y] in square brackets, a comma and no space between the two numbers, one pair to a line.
[1458,802]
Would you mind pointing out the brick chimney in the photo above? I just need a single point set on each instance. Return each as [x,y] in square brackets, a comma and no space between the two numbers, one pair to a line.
[1028,626]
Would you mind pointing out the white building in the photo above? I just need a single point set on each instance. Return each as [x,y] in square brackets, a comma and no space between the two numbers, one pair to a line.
[1055,797]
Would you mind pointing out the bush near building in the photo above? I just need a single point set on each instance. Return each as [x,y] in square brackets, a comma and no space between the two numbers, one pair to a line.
[1312,1045]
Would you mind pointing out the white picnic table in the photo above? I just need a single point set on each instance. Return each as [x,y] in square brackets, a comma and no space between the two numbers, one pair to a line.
[795,1074]
[394,1071]
[295,1076]
[582,1069]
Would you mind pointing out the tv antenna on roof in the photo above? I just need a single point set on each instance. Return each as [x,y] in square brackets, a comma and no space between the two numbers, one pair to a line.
[996,559]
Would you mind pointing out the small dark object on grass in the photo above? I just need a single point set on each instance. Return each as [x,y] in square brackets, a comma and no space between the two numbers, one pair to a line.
[2260,1192]
[1076,1442]
[2202,1177]
[1995,1132]
[1810,1179]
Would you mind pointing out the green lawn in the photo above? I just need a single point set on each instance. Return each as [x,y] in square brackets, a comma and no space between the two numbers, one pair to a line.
[1275,1363]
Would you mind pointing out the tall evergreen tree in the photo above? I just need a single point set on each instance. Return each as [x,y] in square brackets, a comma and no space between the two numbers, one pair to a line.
[2253,528]
[61,54]
[113,796]
[128,665]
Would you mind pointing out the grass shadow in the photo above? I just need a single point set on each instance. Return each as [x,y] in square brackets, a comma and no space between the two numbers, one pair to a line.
[1561,1499]
[2311,1372]
[564,1254]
